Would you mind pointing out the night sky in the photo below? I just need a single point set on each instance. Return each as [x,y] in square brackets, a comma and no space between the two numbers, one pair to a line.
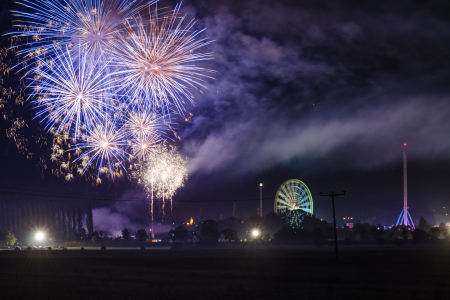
[322,91]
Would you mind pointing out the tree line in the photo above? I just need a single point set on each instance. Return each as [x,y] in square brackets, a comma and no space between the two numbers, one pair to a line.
[311,230]
[58,224]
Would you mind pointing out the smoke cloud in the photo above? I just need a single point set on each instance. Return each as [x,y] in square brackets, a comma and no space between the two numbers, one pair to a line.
[315,79]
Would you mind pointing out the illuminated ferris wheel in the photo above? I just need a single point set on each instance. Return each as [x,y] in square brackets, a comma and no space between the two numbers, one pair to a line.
[293,195]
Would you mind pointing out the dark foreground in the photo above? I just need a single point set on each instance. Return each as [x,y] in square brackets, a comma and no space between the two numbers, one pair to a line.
[251,273]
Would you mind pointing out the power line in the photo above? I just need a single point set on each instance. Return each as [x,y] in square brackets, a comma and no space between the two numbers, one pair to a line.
[48,194]
[385,205]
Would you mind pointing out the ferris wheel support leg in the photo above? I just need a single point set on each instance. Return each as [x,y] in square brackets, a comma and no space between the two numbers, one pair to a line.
[411,221]
[400,217]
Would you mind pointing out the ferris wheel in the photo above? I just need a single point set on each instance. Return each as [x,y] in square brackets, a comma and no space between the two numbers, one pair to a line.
[292,195]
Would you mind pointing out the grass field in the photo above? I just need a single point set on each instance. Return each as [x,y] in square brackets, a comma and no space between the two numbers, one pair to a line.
[246,273]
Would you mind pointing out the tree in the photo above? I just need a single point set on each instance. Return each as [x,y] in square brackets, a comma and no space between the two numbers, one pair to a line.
[406,232]
[443,229]
[141,235]
[288,234]
[3,217]
[209,231]
[310,222]
[363,231]
[192,236]
[89,220]
[342,233]
[273,222]
[294,218]
[420,235]
[179,234]
[423,225]
[125,235]
[378,231]
[318,237]
[233,223]
[69,226]
[79,223]
[435,232]
[74,223]
[53,219]
[82,234]
[63,225]
[230,235]
[8,238]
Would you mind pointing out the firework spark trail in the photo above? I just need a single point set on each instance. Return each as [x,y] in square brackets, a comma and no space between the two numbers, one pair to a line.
[70,92]
[155,58]
[163,211]
[91,24]
[152,205]
[162,173]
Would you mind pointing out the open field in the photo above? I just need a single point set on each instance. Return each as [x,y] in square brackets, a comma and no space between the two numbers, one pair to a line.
[250,273]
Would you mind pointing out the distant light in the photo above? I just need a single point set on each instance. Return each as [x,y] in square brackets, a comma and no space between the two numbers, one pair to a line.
[39,236]
[260,184]
[404,144]
[255,232]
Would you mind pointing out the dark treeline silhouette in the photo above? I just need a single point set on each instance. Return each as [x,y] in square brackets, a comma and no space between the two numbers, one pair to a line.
[59,224]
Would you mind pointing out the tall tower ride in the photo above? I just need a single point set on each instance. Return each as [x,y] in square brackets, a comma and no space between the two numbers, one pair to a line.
[405,189]
[405,218]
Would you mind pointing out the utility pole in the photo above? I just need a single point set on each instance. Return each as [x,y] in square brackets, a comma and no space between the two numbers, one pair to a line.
[332,195]
[260,200]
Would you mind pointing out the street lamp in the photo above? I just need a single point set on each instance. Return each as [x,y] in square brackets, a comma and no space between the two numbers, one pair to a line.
[39,236]
[260,199]
[255,233]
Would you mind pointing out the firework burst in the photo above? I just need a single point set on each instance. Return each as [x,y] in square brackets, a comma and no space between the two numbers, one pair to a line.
[143,124]
[88,26]
[109,77]
[103,145]
[70,93]
[155,60]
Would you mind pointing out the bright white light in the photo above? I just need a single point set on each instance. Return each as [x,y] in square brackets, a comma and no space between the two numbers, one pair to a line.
[39,236]
[255,233]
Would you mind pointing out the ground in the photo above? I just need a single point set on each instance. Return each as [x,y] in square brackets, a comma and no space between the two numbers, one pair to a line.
[259,272]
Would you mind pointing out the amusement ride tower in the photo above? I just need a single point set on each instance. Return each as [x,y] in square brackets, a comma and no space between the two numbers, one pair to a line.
[405,218]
